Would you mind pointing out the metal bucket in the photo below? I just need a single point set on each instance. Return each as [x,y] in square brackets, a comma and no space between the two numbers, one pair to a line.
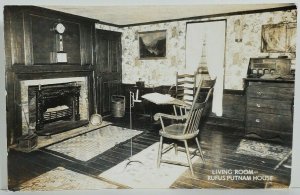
[118,106]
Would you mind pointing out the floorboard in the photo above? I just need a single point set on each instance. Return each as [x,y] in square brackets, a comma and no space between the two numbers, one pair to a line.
[218,143]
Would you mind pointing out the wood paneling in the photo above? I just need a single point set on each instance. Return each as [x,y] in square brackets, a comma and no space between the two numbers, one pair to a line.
[29,39]
[14,37]
[107,85]
[234,105]
[31,36]
[108,68]
[87,39]
[45,39]
[108,52]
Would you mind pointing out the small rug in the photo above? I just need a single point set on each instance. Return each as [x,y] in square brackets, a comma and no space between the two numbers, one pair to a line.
[86,146]
[263,150]
[147,175]
[64,179]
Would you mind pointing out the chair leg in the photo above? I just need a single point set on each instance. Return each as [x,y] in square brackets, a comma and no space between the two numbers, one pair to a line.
[176,148]
[199,148]
[188,156]
[160,151]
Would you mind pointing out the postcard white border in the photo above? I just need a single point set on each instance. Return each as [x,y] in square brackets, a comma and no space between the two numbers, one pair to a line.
[295,181]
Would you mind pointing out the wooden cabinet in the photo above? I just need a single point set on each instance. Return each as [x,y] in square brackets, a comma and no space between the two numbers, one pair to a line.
[108,68]
[269,109]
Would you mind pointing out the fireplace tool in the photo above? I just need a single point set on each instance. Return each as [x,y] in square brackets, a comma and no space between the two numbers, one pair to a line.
[131,105]
[96,119]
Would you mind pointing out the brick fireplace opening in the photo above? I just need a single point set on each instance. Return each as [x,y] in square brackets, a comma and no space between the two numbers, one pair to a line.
[53,106]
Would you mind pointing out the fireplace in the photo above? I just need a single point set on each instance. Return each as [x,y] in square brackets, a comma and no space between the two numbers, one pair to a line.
[54,105]
[56,102]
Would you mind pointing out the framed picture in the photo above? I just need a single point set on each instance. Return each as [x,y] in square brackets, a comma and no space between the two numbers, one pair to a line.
[152,45]
[274,38]
[278,38]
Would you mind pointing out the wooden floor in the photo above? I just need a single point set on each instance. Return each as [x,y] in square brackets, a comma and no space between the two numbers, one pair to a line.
[219,145]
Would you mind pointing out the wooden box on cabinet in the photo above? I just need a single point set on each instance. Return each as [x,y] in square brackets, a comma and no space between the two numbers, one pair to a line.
[269,109]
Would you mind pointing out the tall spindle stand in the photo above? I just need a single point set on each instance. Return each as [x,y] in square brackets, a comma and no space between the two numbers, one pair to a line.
[132,100]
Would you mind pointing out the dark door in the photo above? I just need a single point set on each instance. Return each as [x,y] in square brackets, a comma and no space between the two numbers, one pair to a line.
[108,68]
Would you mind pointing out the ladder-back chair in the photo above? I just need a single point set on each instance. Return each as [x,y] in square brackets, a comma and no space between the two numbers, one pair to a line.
[185,91]
[183,131]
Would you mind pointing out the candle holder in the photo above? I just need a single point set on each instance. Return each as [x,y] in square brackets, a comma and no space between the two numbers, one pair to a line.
[132,100]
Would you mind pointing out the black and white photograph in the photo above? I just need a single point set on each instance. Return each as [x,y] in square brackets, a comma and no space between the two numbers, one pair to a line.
[158,96]
[152,44]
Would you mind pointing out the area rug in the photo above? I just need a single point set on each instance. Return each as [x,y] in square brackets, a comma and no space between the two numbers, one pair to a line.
[64,179]
[146,174]
[86,146]
[263,150]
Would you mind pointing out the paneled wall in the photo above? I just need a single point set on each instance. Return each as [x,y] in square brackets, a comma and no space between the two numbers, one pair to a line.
[29,42]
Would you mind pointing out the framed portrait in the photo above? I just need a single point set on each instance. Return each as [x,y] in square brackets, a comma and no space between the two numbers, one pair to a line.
[278,38]
[152,44]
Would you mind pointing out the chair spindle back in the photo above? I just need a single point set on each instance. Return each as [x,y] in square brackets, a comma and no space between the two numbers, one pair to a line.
[196,111]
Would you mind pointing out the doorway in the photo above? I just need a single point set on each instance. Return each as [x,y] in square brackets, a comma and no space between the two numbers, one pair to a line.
[205,43]
[108,69]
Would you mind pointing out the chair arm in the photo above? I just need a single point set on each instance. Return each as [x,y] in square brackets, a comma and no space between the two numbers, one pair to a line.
[169,116]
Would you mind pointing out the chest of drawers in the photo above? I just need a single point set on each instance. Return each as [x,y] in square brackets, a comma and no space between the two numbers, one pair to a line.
[269,109]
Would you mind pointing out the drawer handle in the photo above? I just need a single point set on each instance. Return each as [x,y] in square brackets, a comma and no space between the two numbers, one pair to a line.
[257,120]
[258,105]
[259,93]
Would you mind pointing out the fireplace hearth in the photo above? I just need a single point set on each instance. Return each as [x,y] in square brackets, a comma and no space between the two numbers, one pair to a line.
[55,108]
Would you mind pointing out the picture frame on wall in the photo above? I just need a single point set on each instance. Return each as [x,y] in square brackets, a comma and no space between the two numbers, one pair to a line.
[152,44]
[274,38]
[277,38]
